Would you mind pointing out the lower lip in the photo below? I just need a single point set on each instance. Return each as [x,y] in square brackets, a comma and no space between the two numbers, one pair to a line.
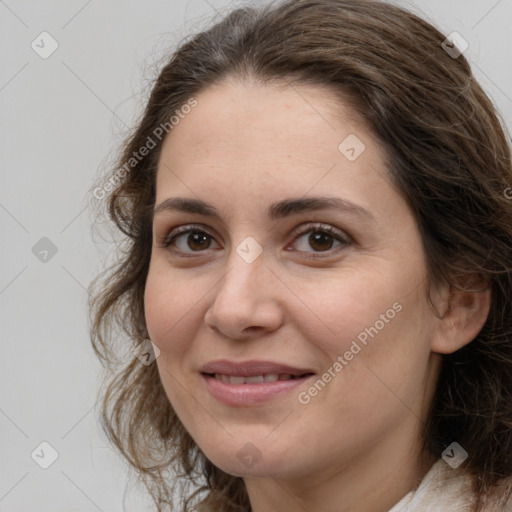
[250,394]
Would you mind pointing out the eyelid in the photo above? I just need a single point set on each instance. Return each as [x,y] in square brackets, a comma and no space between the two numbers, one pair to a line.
[320,226]
[170,236]
[338,234]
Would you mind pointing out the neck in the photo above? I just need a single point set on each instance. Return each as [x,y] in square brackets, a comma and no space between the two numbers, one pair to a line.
[374,482]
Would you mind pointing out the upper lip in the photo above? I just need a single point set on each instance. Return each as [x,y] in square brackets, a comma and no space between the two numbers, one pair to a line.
[251,368]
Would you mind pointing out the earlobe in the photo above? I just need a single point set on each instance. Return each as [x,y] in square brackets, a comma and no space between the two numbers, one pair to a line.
[464,314]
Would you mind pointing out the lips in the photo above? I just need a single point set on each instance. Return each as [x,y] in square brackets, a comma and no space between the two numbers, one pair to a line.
[253,379]
[251,383]
[252,371]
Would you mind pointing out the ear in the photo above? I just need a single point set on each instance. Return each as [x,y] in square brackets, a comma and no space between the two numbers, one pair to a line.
[464,313]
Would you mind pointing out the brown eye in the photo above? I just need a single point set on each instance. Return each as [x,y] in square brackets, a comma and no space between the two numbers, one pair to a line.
[320,241]
[322,238]
[198,241]
[188,239]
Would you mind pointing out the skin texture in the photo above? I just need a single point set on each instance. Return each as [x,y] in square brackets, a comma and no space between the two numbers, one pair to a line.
[356,444]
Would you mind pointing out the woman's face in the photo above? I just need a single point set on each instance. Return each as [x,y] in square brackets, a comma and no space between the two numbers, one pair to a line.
[263,282]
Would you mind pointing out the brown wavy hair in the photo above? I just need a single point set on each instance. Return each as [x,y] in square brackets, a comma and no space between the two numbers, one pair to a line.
[447,154]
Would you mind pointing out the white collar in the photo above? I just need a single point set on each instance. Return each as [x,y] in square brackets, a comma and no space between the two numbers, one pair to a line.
[442,489]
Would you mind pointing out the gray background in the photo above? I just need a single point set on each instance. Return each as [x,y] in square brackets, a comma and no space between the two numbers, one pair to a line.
[61,120]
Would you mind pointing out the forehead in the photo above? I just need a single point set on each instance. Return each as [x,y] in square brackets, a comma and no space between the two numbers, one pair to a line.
[246,138]
[240,116]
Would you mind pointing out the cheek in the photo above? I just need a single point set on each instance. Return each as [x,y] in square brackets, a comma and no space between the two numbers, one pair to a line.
[384,361]
[169,311]
[156,302]
[379,327]
[351,306]
[171,321]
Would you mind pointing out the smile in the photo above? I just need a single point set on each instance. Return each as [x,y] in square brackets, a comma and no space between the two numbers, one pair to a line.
[238,391]
[255,379]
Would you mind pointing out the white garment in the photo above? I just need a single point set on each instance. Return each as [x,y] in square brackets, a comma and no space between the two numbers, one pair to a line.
[443,489]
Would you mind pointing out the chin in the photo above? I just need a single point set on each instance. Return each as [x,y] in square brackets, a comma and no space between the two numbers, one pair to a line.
[247,460]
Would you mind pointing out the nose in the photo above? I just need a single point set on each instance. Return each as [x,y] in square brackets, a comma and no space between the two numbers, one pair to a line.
[245,302]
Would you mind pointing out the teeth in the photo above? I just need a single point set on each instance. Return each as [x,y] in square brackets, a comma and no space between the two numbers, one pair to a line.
[254,379]
[236,380]
[223,378]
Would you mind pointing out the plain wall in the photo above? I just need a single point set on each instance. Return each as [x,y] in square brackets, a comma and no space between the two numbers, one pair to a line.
[61,119]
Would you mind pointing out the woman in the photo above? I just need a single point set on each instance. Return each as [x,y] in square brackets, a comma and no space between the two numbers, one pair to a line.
[319,249]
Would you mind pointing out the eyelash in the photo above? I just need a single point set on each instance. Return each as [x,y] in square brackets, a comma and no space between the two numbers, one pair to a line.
[311,228]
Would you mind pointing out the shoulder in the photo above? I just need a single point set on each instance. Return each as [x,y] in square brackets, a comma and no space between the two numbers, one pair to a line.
[444,488]
[504,488]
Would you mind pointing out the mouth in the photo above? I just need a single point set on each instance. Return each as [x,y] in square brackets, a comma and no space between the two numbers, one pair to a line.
[250,383]
[267,378]
[253,368]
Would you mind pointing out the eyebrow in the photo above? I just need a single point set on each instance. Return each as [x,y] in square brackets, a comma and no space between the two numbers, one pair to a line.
[279,210]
